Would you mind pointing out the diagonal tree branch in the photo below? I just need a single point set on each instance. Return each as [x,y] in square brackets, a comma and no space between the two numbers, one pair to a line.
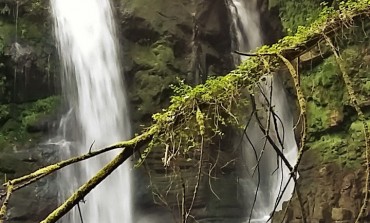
[129,148]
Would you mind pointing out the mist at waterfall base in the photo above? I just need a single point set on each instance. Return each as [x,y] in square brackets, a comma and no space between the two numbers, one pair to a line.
[93,87]
[267,178]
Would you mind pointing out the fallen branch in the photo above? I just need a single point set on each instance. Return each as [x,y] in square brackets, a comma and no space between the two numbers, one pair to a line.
[45,171]
[9,191]
[129,148]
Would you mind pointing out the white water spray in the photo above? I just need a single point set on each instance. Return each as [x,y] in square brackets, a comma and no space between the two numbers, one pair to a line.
[93,87]
[246,24]
[272,174]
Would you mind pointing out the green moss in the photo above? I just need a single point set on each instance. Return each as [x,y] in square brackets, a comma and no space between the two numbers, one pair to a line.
[163,16]
[7,34]
[21,116]
[151,86]
[337,148]
[30,30]
[155,57]
[324,84]
[32,112]
[4,113]
[318,118]
[294,14]
[153,80]
[325,91]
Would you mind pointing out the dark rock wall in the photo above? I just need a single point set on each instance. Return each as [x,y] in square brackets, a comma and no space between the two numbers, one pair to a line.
[28,66]
[170,41]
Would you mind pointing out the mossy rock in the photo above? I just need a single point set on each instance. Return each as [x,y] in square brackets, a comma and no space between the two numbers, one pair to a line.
[164,16]
[294,14]
[25,117]
[11,164]
[337,148]
[318,117]
[4,114]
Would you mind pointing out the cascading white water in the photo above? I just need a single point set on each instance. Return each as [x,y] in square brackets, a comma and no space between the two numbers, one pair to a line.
[272,174]
[93,87]
[246,24]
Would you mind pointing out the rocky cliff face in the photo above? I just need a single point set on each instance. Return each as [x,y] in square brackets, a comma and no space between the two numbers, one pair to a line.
[168,41]
[28,57]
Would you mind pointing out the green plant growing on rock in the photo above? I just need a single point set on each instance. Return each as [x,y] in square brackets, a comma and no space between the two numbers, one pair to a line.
[15,120]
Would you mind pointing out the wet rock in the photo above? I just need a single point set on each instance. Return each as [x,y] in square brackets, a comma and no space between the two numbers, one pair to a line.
[45,124]
[21,55]
[340,214]
[321,213]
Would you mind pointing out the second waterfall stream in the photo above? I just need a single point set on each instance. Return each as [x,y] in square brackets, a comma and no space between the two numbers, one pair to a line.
[261,186]
[93,87]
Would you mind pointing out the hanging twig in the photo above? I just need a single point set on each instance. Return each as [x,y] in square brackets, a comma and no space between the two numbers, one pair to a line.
[80,212]
[200,121]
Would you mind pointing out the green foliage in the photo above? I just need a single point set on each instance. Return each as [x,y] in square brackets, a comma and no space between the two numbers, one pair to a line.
[327,17]
[153,79]
[197,116]
[32,112]
[220,102]
[335,148]
[295,13]
[4,113]
[344,147]
[17,118]
[323,108]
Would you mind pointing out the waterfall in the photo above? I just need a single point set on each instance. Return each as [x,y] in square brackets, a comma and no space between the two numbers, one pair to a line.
[246,23]
[272,175]
[93,87]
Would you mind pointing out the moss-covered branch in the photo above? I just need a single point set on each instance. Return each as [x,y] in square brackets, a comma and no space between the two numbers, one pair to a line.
[129,148]
[52,168]
[4,206]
